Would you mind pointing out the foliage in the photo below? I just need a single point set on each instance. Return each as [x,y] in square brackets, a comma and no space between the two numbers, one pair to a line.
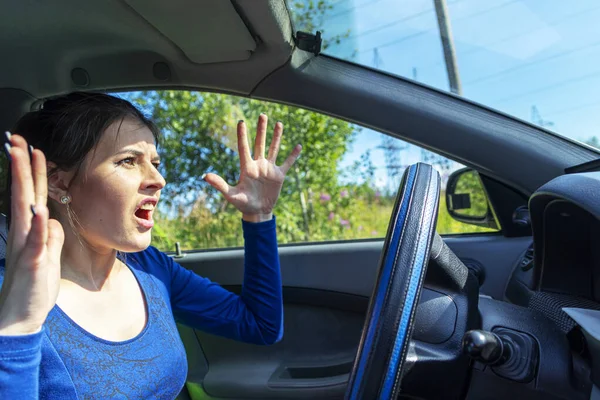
[356,213]
[446,225]
[313,205]
[309,16]
[470,183]
[199,137]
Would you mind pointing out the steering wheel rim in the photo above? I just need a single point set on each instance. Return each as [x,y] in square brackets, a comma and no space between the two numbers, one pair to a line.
[378,367]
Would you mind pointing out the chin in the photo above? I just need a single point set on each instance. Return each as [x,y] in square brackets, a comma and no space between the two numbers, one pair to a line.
[139,243]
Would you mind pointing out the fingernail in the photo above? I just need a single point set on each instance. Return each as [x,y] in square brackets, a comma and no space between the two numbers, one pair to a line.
[241,121]
[8,136]
[203,176]
[33,210]
[7,148]
[30,152]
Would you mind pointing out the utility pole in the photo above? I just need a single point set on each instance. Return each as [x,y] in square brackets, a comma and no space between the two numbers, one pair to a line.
[441,10]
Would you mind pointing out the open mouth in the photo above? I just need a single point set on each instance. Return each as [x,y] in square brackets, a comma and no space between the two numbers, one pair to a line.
[144,212]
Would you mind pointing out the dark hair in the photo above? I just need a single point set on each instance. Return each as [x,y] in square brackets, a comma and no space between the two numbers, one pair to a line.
[67,128]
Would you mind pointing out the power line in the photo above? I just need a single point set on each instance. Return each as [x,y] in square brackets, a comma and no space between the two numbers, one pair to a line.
[405,38]
[520,66]
[382,27]
[352,9]
[379,28]
[506,71]
[576,108]
[553,86]
[518,35]
[420,13]
[535,112]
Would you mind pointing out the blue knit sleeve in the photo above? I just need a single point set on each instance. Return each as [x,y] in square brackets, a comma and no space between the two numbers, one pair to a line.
[20,358]
[255,316]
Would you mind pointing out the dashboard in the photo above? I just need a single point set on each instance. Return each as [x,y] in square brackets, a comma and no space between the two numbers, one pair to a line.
[562,267]
[569,254]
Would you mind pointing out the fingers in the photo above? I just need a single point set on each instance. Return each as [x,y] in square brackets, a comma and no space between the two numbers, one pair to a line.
[20,142]
[218,183]
[275,143]
[38,235]
[261,137]
[56,238]
[22,190]
[243,149]
[40,177]
[287,164]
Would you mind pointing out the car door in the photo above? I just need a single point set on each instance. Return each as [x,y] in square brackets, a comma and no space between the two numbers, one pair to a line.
[332,216]
[326,292]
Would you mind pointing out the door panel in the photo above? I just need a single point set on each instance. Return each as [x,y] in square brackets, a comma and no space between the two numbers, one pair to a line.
[316,355]
[350,267]
[326,290]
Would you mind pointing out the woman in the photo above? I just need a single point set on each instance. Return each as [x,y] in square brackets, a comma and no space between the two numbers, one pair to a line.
[87,308]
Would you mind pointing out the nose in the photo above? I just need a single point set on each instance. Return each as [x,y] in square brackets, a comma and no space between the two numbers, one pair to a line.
[154,179]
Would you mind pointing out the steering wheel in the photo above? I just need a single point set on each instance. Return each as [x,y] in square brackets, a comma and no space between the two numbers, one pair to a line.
[380,361]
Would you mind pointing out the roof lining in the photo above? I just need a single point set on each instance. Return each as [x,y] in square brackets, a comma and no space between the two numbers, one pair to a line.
[119,47]
[221,36]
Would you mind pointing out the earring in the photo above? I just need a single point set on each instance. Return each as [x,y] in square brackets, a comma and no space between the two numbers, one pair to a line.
[66,199]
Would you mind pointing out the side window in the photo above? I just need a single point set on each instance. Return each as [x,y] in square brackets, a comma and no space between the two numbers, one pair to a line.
[342,187]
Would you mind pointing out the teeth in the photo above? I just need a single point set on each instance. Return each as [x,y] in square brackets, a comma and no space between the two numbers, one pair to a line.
[147,206]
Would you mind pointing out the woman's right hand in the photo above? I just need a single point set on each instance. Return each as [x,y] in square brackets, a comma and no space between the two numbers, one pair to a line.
[32,269]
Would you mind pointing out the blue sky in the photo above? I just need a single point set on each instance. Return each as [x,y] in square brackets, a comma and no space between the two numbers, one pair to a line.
[512,55]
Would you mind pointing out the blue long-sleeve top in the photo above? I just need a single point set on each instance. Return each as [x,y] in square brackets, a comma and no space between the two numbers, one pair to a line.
[63,361]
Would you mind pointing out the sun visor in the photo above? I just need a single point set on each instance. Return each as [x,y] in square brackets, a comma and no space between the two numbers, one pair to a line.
[207,31]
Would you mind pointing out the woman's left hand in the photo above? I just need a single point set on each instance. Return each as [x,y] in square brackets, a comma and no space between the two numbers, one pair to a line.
[261,179]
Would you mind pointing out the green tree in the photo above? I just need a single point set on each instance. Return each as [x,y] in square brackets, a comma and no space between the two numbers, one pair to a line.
[310,16]
[470,183]
[199,137]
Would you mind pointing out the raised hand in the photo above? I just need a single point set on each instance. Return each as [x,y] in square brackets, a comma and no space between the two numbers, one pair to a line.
[32,270]
[261,179]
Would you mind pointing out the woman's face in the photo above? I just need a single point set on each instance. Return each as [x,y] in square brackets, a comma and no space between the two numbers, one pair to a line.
[115,194]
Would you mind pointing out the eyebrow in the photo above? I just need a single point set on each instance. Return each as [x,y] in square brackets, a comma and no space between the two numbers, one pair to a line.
[136,153]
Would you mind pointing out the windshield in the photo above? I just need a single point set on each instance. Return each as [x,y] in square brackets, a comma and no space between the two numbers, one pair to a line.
[537,60]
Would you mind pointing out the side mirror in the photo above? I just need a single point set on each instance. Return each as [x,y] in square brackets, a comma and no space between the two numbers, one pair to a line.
[467,201]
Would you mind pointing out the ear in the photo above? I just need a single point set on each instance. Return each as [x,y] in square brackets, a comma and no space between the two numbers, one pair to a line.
[58,182]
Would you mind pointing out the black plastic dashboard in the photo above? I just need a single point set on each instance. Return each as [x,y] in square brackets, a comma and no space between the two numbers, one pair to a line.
[564,259]
[560,269]
[565,215]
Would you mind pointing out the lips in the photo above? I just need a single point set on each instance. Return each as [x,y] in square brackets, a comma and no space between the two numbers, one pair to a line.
[144,211]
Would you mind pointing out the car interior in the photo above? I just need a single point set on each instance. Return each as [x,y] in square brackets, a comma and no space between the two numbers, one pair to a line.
[488,320]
